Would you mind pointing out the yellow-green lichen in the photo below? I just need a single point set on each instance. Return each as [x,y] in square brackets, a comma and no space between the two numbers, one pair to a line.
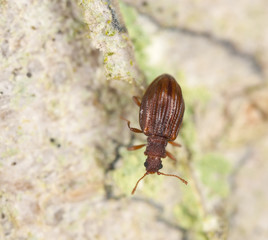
[110,32]
[131,170]
[214,170]
[191,96]
[189,212]
[138,37]
[189,215]
[105,59]
[75,30]
[9,153]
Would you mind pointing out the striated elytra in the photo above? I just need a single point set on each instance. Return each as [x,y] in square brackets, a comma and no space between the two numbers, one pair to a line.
[161,114]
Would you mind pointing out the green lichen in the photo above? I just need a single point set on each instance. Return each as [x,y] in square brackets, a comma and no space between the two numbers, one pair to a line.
[138,37]
[214,170]
[31,236]
[188,131]
[106,59]
[131,170]
[110,32]
[189,212]
[75,30]
[9,153]
[125,176]
[192,96]
[22,97]
[109,68]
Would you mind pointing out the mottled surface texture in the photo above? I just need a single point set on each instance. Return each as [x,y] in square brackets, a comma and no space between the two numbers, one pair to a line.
[65,172]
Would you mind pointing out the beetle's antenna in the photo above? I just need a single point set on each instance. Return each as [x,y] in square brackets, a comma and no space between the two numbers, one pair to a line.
[171,175]
[134,189]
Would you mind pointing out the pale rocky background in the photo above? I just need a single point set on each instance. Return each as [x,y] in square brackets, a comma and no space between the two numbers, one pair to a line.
[64,169]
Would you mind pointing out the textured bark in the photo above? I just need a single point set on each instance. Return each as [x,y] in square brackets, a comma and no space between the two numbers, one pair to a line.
[65,172]
[59,122]
[109,34]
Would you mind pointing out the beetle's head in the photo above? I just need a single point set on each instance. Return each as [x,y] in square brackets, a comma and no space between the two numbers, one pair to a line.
[153,164]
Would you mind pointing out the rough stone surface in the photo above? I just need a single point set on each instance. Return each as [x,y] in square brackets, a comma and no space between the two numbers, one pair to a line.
[64,169]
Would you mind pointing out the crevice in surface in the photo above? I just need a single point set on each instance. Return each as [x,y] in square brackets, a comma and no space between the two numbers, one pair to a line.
[112,166]
[159,216]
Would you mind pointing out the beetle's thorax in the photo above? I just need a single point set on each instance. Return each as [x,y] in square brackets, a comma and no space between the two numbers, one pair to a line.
[156,146]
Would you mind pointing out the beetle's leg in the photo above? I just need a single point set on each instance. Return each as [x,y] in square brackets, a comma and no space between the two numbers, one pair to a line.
[175,144]
[137,100]
[132,148]
[136,130]
[171,156]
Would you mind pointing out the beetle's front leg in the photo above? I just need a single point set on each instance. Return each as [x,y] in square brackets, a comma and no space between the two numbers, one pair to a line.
[132,148]
[136,130]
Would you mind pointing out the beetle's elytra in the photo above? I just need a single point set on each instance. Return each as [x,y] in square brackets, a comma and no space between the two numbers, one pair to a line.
[161,113]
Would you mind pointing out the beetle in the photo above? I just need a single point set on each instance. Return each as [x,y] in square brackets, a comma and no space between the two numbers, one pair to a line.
[160,117]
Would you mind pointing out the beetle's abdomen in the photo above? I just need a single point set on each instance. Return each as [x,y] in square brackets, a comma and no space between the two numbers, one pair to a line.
[162,108]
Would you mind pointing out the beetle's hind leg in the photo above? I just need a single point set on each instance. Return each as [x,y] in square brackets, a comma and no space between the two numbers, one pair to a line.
[137,100]
[136,130]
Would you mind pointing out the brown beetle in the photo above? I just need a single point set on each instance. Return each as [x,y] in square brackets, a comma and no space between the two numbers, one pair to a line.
[161,113]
